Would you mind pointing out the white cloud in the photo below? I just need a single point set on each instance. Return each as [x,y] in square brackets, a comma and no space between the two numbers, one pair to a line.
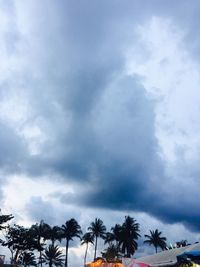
[172,76]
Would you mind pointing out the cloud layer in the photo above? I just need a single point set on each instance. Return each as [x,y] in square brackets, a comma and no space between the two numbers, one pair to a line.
[103,98]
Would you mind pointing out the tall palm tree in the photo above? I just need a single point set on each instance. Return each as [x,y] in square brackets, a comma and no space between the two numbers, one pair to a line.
[97,229]
[70,230]
[156,240]
[128,235]
[41,233]
[86,239]
[53,256]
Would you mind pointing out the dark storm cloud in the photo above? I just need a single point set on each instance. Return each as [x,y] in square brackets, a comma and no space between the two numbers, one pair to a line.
[99,123]
[114,150]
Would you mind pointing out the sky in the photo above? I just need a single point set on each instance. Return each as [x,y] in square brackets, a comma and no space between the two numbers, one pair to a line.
[99,114]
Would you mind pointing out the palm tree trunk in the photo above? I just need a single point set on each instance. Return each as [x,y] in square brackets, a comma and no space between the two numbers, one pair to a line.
[95,248]
[40,258]
[12,256]
[16,256]
[156,249]
[85,254]
[66,256]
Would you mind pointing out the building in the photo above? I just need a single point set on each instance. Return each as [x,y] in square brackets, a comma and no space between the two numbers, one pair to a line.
[167,257]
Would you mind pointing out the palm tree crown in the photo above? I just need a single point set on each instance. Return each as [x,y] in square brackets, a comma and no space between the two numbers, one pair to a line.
[156,240]
[70,230]
[109,238]
[27,259]
[41,232]
[86,239]
[128,234]
[97,229]
[54,233]
[53,256]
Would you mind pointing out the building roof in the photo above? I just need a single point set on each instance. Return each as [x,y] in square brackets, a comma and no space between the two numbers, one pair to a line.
[167,257]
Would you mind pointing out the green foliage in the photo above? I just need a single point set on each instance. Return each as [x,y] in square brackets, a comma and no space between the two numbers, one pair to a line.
[182,243]
[86,239]
[53,256]
[121,240]
[27,259]
[109,238]
[156,240]
[111,253]
[127,236]
[4,219]
[18,240]
[117,233]
[54,233]
[97,229]
[40,232]
[70,230]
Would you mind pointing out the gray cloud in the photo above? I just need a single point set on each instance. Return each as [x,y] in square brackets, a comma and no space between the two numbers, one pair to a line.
[13,150]
[99,123]
[38,209]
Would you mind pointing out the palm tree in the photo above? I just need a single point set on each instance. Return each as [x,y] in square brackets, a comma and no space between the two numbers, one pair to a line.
[53,256]
[156,240]
[109,238]
[128,235]
[86,239]
[97,229]
[41,232]
[112,239]
[27,259]
[54,233]
[70,230]
[117,233]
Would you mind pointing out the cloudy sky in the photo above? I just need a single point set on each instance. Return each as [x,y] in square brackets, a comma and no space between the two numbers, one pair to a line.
[100,112]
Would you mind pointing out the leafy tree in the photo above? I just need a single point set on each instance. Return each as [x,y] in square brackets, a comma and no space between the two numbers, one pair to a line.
[19,240]
[182,243]
[86,239]
[97,229]
[111,253]
[156,240]
[128,234]
[53,256]
[27,259]
[70,230]
[4,219]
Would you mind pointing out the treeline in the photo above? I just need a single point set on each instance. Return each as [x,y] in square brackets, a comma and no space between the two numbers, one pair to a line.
[42,240]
